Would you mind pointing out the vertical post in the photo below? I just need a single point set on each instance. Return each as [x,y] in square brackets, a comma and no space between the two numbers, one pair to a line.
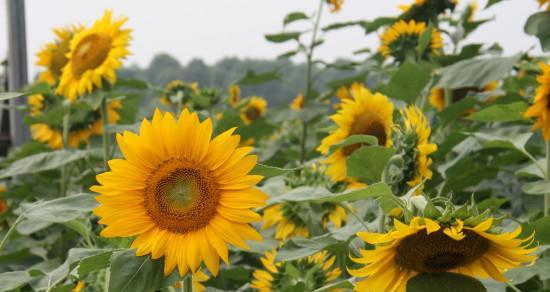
[17,68]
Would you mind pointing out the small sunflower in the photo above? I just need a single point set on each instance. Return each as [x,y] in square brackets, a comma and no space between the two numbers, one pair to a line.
[365,114]
[253,110]
[335,5]
[95,54]
[297,103]
[544,2]
[180,89]
[335,214]
[53,55]
[426,246]
[234,95]
[3,203]
[541,106]
[418,127]
[274,277]
[79,286]
[437,96]
[402,38]
[286,216]
[190,195]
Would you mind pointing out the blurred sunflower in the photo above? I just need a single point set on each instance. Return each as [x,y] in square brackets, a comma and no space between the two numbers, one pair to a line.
[426,246]
[287,217]
[471,11]
[401,39]
[336,5]
[184,196]
[234,95]
[90,123]
[418,130]
[426,10]
[541,106]
[297,103]
[437,96]
[180,89]
[95,54]
[79,286]
[275,277]
[544,2]
[365,114]
[253,110]
[3,203]
[53,55]
[335,214]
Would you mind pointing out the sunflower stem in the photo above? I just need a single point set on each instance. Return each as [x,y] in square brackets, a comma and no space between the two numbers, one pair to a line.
[187,284]
[10,231]
[105,117]
[65,138]
[107,280]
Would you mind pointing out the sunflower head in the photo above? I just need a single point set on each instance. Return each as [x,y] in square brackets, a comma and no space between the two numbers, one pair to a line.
[180,91]
[297,103]
[541,105]
[253,110]
[426,10]
[401,39]
[234,95]
[289,219]
[36,104]
[315,271]
[335,5]
[190,195]
[438,101]
[471,247]
[53,56]
[365,114]
[95,53]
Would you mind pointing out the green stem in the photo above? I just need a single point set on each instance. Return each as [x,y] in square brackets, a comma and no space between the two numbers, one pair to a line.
[448,97]
[10,231]
[382,222]
[65,137]
[187,284]
[107,279]
[513,287]
[105,117]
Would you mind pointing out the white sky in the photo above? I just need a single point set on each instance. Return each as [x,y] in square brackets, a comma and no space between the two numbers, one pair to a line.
[213,29]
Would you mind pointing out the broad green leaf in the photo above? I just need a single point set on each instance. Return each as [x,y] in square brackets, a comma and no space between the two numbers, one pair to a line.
[542,230]
[501,141]
[294,16]
[94,263]
[444,282]
[501,113]
[457,109]
[302,194]
[538,25]
[540,268]
[135,273]
[533,170]
[42,161]
[425,39]
[339,25]
[282,37]
[132,83]
[540,187]
[12,280]
[368,162]
[288,54]
[269,171]
[78,226]
[372,26]
[60,210]
[407,83]
[355,139]
[476,72]
[490,203]
[372,191]
[10,95]
[492,2]
[253,78]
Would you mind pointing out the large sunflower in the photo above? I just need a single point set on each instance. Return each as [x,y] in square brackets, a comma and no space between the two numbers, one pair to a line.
[541,107]
[365,114]
[274,276]
[95,54]
[253,110]
[53,55]
[418,129]
[402,38]
[426,246]
[183,195]
[437,96]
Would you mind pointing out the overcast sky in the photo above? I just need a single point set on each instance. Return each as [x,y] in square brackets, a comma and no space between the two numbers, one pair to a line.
[213,29]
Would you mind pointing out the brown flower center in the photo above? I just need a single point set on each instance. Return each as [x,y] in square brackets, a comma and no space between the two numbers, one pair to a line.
[437,252]
[181,196]
[90,53]
[252,113]
[366,125]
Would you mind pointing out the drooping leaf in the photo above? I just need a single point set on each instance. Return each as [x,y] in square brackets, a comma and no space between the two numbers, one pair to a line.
[283,36]
[60,210]
[10,95]
[538,25]
[12,280]
[368,162]
[372,26]
[42,161]
[407,83]
[94,263]
[501,113]
[294,16]
[425,39]
[542,230]
[492,2]
[444,282]
[540,187]
[253,78]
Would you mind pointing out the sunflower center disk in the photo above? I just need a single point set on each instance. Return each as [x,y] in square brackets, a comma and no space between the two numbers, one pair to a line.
[437,252]
[365,125]
[90,53]
[252,113]
[181,196]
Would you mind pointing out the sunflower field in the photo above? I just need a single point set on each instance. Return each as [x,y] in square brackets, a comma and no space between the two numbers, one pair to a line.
[424,167]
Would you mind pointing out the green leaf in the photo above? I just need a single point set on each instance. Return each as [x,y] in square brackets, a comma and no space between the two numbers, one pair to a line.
[476,72]
[10,95]
[302,194]
[501,113]
[368,162]
[13,280]
[504,141]
[407,83]
[94,263]
[425,39]
[287,54]
[538,25]
[132,83]
[133,273]
[253,78]
[456,110]
[372,191]
[540,268]
[42,161]
[542,230]
[372,26]
[444,282]
[537,188]
[492,2]
[355,139]
[336,286]
[283,36]
[270,171]
[339,25]
[60,210]
[294,16]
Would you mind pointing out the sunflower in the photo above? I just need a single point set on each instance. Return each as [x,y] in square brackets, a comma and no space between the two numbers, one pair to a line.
[336,5]
[79,286]
[437,96]
[190,195]
[541,107]
[253,110]
[95,54]
[298,103]
[53,55]
[335,214]
[471,11]
[274,276]
[181,89]
[418,127]
[3,203]
[426,246]
[402,38]
[365,114]
[234,95]
[544,2]
[286,216]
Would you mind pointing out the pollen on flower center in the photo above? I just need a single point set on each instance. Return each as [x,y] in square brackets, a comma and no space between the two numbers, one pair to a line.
[90,53]
[181,196]
[364,125]
[436,252]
